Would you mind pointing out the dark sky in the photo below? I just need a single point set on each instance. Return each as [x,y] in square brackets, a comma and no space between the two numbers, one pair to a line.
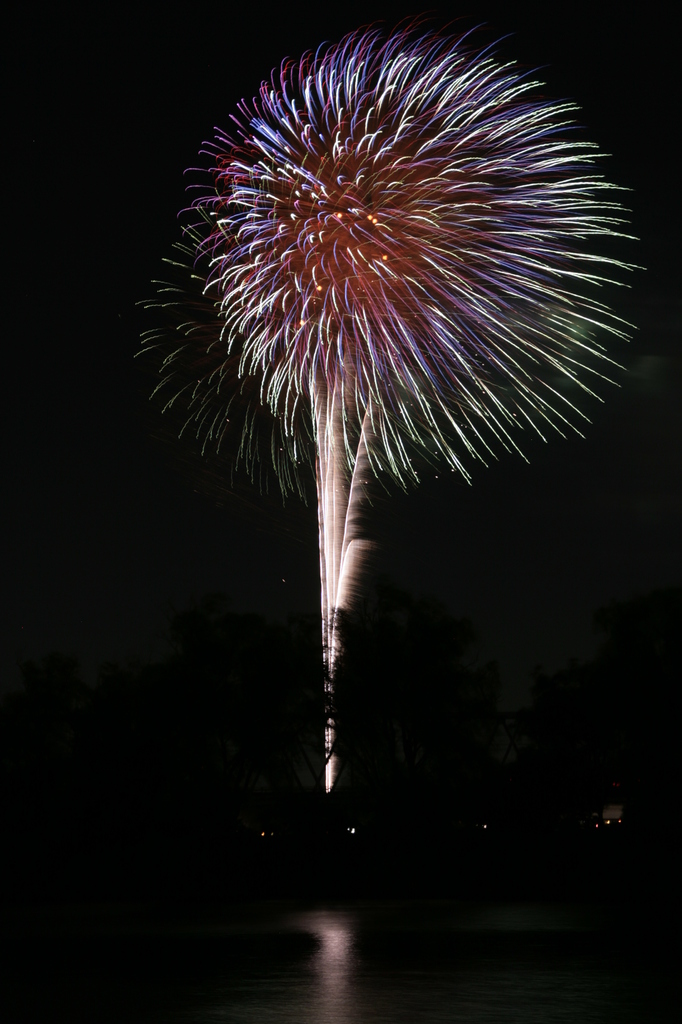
[104,533]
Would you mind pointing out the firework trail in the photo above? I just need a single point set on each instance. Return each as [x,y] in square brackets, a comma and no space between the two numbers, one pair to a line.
[396,258]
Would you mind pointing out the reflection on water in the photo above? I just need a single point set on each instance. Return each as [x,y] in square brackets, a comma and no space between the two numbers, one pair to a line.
[393,963]
[332,963]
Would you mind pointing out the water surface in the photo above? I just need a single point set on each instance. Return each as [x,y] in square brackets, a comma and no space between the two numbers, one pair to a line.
[390,962]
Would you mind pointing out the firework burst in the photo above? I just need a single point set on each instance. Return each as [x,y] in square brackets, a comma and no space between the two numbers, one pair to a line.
[397,257]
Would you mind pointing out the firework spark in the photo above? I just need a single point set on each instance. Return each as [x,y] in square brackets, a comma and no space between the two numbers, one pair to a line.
[398,253]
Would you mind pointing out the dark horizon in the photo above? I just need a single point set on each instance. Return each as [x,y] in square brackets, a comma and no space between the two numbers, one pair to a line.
[201,777]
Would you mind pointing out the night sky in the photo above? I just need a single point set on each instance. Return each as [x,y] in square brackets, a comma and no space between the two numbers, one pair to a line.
[105,532]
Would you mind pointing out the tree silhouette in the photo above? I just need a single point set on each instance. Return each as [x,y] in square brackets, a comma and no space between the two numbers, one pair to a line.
[408,704]
[38,729]
[605,731]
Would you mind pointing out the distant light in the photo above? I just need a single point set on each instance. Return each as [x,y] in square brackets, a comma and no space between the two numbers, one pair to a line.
[384,257]
[319,287]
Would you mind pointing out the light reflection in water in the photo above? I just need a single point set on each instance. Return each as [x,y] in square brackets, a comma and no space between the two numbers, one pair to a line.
[333,963]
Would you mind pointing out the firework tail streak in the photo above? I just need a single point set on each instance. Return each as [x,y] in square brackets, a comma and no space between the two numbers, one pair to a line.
[398,255]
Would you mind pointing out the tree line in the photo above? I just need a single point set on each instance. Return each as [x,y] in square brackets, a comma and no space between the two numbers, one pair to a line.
[220,741]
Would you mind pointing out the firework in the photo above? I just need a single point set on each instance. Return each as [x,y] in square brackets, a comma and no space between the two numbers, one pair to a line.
[397,259]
